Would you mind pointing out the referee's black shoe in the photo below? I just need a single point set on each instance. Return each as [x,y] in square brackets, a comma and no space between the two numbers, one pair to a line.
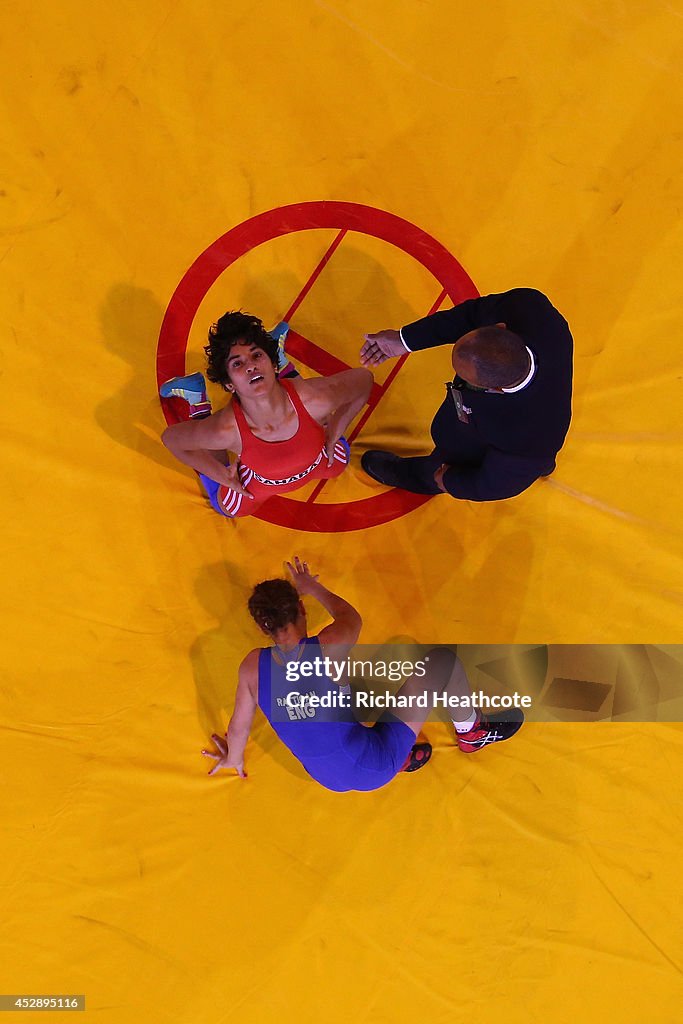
[382,466]
[411,473]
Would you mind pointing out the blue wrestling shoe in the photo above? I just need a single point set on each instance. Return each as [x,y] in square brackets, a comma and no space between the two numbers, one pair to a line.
[285,368]
[279,334]
[193,389]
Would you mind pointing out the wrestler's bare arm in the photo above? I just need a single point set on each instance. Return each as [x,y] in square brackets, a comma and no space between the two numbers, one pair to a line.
[345,392]
[231,748]
[194,441]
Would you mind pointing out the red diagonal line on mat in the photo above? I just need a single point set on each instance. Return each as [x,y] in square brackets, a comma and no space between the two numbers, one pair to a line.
[314,277]
[376,397]
[319,359]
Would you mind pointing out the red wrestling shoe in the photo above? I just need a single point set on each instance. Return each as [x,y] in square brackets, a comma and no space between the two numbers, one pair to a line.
[418,757]
[488,730]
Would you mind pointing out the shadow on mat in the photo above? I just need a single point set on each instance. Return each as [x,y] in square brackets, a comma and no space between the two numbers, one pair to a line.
[130,319]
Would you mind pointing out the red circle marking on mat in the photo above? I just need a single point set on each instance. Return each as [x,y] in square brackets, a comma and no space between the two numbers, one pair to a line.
[207,268]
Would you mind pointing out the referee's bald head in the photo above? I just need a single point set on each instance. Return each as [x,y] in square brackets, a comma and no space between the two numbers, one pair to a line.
[491,357]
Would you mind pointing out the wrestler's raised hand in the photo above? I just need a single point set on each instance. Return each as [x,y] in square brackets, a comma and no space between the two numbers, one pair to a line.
[381,346]
[302,579]
[223,759]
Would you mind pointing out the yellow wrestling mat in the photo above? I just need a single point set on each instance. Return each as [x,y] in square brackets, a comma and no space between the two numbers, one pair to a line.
[540,144]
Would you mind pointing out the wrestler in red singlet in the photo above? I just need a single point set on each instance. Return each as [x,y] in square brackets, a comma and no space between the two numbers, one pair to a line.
[304,419]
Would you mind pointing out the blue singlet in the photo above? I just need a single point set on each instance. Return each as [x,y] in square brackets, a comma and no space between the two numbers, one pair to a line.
[341,755]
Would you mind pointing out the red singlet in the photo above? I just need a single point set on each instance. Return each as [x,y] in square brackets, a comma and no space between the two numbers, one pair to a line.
[275,467]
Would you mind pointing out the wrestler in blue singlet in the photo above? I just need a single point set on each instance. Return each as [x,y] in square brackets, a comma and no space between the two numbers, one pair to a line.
[339,754]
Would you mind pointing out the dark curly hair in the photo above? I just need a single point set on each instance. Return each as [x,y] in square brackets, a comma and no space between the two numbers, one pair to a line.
[274,604]
[235,328]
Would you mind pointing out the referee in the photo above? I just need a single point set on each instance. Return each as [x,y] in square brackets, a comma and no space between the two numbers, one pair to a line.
[508,407]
